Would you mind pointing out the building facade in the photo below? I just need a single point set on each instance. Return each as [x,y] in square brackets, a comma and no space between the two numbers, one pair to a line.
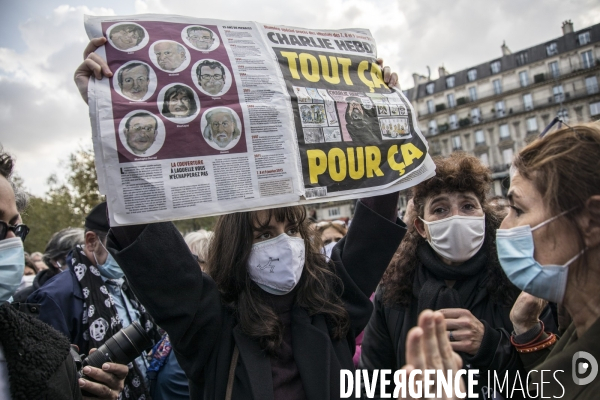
[495,108]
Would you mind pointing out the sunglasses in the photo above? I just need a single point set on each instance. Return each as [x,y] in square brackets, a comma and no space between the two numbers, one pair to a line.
[19,230]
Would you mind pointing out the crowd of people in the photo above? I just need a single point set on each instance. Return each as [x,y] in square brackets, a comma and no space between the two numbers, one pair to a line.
[459,279]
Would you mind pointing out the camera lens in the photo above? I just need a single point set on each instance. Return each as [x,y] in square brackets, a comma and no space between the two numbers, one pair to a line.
[122,348]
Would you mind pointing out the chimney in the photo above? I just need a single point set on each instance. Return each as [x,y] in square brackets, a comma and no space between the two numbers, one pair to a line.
[505,50]
[567,27]
[442,71]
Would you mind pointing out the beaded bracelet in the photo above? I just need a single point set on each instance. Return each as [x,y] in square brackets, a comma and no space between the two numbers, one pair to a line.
[549,341]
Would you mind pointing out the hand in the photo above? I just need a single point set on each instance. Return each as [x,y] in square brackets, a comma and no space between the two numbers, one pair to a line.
[92,64]
[389,77]
[467,330]
[427,347]
[525,313]
[109,380]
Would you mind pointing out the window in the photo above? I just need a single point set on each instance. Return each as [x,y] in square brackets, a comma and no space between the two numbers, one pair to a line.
[551,49]
[451,100]
[500,109]
[436,148]
[484,159]
[504,132]
[334,212]
[430,107]
[587,59]
[554,71]
[432,127]
[473,93]
[532,124]
[563,114]
[583,38]
[528,101]
[522,58]
[595,108]
[495,67]
[523,78]
[591,84]
[479,137]
[450,82]
[429,88]
[497,86]
[471,75]
[475,115]
[456,143]
[453,121]
[507,156]
[558,93]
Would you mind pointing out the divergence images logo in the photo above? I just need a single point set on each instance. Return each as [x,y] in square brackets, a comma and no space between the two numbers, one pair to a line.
[582,363]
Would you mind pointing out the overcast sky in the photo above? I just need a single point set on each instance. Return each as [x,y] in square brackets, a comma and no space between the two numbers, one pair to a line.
[43,119]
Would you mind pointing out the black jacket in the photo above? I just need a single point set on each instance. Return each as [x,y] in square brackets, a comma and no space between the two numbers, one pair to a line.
[187,304]
[384,341]
[40,280]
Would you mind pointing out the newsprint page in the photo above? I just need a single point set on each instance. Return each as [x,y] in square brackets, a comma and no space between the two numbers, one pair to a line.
[205,117]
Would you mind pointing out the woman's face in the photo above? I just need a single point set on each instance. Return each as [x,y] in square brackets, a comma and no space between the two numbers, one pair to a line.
[272,228]
[446,205]
[554,243]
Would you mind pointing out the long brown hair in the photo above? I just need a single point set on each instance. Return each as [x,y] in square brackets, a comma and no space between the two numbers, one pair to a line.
[459,172]
[318,291]
[564,167]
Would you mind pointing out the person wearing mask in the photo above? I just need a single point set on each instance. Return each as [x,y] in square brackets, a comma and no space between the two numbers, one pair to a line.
[55,255]
[267,283]
[549,247]
[91,301]
[331,232]
[448,263]
[35,359]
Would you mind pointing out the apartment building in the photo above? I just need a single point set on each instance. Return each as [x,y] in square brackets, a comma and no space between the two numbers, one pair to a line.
[495,108]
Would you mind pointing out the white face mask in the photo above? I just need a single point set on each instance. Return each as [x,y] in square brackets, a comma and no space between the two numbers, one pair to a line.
[276,264]
[456,238]
[26,281]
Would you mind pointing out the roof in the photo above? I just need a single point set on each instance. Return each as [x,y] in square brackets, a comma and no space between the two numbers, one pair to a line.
[565,44]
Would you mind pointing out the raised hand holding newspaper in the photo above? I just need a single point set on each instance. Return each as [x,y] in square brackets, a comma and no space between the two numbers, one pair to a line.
[205,117]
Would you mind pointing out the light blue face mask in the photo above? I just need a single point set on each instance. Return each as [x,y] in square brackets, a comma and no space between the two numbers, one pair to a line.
[515,252]
[12,264]
[110,269]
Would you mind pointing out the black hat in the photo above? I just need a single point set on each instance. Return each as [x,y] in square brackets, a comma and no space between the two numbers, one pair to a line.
[97,219]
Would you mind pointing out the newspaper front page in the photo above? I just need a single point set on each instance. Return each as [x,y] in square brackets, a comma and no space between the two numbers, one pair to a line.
[205,117]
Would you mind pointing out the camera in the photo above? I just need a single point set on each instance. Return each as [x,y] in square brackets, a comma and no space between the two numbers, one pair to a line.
[122,348]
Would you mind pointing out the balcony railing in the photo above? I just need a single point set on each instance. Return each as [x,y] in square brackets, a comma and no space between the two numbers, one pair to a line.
[483,95]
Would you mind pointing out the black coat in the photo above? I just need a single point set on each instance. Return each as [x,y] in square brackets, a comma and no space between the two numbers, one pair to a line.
[187,304]
[384,341]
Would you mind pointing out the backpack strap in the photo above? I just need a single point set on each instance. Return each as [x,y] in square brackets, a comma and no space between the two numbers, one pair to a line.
[234,359]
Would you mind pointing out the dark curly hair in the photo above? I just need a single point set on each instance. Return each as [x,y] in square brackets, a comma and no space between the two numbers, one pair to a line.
[459,172]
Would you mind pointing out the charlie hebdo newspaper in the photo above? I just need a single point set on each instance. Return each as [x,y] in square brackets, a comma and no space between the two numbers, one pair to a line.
[205,117]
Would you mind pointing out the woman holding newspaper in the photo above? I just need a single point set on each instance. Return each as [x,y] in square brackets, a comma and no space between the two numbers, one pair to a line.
[275,319]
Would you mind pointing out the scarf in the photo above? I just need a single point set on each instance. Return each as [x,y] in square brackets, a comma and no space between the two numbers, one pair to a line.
[34,351]
[101,319]
[430,287]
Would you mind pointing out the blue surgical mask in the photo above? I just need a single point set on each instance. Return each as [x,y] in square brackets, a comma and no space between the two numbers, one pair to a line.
[515,252]
[110,269]
[12,265]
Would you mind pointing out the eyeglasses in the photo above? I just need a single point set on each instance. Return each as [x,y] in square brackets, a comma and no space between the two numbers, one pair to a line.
[19,230]
[216,77]
[147,129]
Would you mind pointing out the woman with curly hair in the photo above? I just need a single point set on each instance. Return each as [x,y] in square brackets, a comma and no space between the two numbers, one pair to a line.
[447,262]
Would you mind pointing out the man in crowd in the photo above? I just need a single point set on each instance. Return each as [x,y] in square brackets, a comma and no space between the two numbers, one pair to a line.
[179,102]
[169,55]
[91,301]
[36,259]
[211,76]
[140,132]
[221,127]
[200,37]
[55,255]
[133,80]
[126,36]
[44,367]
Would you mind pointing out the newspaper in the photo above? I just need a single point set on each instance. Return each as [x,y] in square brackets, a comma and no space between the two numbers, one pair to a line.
[205,117]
